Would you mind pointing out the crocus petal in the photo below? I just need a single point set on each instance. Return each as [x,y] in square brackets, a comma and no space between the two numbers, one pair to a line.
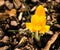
[40,11]
[45,29]
[42,21]
[35,20]
[38,20]
[29,26]
[32,28]
[36,28]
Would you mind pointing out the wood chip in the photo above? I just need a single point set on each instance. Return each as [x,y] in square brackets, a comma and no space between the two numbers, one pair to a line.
[58,1]
[50,32]
[9,5]
[20,16]
[51,41]
[33,8]
[17,3]
[46,9]
[35,0]
[4,48]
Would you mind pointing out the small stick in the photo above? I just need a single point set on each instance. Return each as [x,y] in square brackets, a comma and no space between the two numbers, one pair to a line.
[51,41]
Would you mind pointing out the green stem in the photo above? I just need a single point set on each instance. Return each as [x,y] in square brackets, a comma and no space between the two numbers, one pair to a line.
[37,36]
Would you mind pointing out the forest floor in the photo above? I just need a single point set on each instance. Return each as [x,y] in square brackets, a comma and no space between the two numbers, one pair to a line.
[14,14]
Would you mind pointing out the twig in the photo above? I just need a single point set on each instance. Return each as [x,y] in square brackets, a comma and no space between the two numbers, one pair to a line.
[51,41]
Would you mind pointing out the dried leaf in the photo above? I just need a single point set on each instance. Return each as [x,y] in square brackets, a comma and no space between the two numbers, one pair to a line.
[11,12]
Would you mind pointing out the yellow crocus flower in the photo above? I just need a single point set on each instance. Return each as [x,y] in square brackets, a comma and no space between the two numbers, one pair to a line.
[38,21]
[44,29]
[40,11]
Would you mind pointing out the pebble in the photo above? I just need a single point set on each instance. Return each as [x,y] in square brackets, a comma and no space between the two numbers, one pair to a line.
[5,39]
[14,23]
